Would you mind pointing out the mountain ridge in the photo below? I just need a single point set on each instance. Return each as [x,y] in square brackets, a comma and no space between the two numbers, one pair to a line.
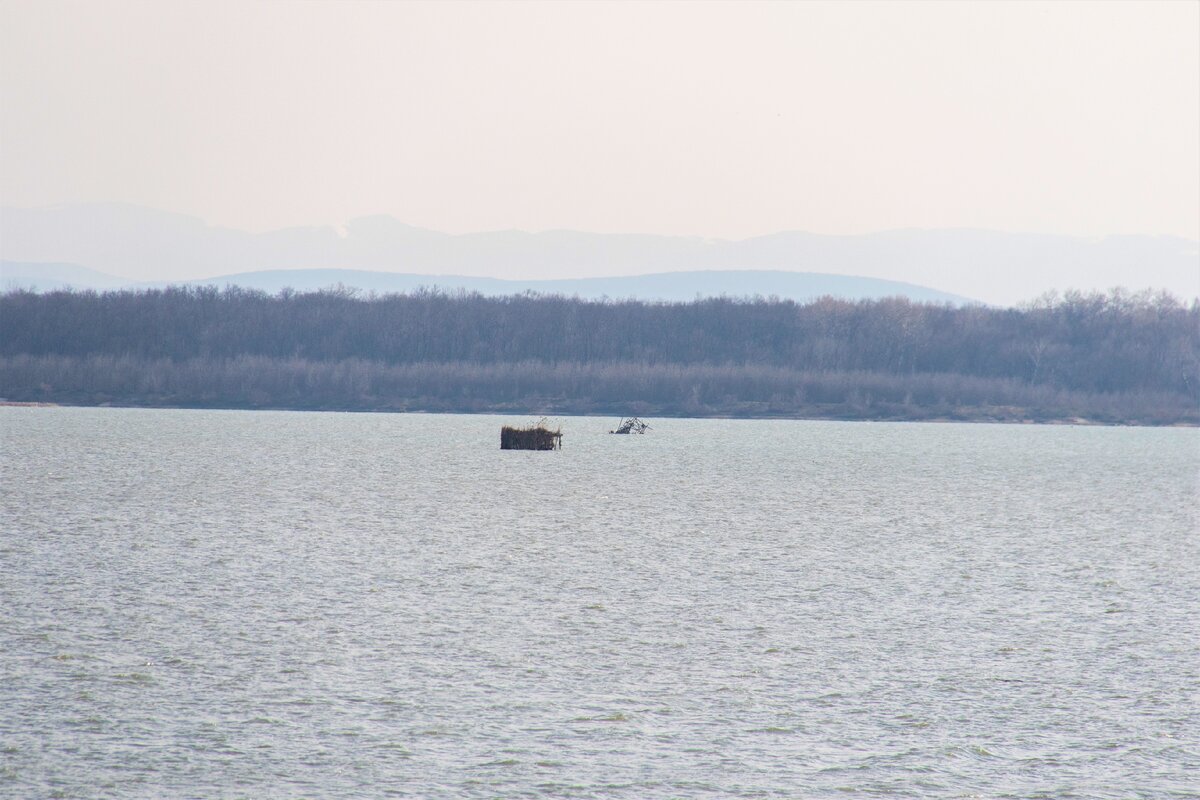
[664,286]
[993,266]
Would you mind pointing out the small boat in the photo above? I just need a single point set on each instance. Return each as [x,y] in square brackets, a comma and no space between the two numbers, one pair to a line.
[631,425]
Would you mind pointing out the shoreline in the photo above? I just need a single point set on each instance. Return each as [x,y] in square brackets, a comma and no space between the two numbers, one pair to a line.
[541,411]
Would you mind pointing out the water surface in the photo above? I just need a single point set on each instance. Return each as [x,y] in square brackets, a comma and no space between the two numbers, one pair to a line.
[262,604]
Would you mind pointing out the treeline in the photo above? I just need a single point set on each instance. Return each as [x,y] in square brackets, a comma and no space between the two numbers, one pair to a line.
[1108,357]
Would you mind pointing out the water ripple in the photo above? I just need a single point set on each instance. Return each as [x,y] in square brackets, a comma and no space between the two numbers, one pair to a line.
[219,604]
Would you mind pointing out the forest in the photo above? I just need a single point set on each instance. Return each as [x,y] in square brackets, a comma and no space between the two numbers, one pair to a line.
[1111,358]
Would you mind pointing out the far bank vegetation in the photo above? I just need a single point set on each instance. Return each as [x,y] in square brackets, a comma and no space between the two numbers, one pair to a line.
[1101,357]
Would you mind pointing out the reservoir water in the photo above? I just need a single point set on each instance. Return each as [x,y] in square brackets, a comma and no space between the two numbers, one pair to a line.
[275,604]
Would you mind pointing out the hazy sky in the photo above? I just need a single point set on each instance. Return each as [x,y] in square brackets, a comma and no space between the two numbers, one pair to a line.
[710,119]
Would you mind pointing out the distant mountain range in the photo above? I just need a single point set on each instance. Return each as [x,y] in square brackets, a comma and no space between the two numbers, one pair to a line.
[668,286]
[88,245]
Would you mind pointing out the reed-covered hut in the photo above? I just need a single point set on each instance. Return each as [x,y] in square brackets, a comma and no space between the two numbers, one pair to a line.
[533,437]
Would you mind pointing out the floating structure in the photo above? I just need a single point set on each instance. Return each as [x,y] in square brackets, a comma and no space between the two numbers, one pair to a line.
[631,425]
[534,437]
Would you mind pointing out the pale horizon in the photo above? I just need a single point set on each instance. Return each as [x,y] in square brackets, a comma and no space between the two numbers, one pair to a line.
[715,121]
[1006,268]
[339,225]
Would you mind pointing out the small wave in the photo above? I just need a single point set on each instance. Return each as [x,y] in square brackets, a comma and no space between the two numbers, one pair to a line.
[396,748]
[616,716]
[973,751]
[135,677]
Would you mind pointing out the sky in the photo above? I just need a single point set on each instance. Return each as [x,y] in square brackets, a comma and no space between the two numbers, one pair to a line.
[701,119]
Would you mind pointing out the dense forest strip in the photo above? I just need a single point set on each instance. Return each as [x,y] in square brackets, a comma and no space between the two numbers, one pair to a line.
[569,388]
[1108,358]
